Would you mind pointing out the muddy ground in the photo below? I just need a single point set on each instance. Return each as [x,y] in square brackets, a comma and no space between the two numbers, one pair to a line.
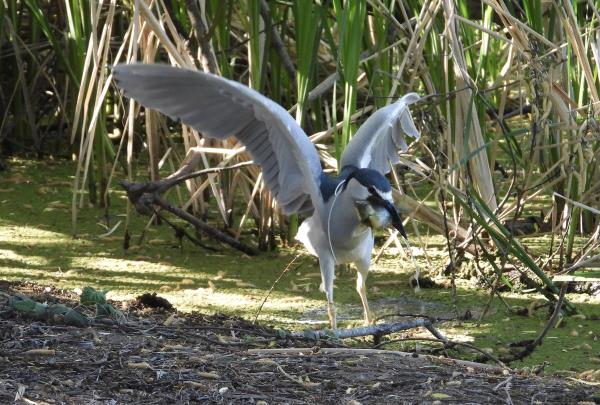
[158,356]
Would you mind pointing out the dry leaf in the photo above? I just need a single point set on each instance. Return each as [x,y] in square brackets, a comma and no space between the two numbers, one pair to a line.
[142,365]
[16,179]
[384,283]
[59,183]
[40,352]
[20,392]
[156,242]
[195,384]
[220,275]
[265,362]
[243,284]
[209,375]
[58,205]
[172,320]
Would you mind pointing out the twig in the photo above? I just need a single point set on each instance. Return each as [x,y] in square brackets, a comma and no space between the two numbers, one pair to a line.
[551,322]
[215,233]
[211,170]
[144,195]
[276,41]
[506,384]
[285,270]
[200,31]
[452,263]
[297,380]
[406,314]
[179,177]
[181,232]
[447,344]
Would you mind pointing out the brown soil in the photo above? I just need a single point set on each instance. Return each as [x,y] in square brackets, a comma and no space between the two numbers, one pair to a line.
[162,357]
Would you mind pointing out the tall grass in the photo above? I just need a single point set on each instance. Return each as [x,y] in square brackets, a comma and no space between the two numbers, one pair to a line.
[509,117]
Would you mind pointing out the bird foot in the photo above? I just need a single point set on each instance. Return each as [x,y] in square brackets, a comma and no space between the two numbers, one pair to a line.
[331,313]
[369,318]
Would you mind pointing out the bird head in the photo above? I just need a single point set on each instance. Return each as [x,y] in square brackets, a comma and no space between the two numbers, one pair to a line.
[376,207]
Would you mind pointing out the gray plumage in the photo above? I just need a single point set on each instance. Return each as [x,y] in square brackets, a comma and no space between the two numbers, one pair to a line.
[342,210]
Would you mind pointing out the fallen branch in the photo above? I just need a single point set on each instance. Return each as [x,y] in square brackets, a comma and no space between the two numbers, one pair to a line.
[372,330]
[144,196]
[448,344]
[308,351]
[180,232]
[203,226]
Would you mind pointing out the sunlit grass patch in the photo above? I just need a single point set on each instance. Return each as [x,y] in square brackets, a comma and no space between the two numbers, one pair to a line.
[35,245]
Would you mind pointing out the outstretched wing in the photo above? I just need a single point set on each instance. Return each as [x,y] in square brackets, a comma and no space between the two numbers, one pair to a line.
[377,141]
[220,108]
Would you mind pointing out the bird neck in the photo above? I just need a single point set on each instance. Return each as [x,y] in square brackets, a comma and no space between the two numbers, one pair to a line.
[330,183]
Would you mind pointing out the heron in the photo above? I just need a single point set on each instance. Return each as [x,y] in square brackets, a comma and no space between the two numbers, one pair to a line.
[342,211]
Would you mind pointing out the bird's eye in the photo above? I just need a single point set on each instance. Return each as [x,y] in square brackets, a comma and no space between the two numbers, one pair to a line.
[372,190]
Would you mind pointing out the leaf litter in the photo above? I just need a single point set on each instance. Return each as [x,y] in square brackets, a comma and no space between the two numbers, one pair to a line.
[146,359]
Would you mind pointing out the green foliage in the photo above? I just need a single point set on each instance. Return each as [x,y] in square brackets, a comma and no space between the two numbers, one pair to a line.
[350,18]
[533,97]
[70,316]
[91,296]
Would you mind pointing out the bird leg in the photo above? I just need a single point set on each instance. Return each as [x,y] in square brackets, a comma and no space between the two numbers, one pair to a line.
[331,313]
[327,275]
[361,279]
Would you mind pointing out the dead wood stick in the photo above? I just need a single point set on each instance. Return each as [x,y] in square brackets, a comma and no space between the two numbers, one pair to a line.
[186,176]
[144,197]
[183,174]
[285,270]
[209,60]
[276,42]
[204,227]
[180,232]
[297,380]
[530,347]
[448,344]
[365,352]
[376,330]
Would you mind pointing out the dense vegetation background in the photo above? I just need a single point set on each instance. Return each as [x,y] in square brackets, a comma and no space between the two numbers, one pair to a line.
[509,148]
[508,116]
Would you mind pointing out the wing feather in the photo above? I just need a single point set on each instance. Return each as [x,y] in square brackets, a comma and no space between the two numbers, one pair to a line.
[377,141]
[220,108]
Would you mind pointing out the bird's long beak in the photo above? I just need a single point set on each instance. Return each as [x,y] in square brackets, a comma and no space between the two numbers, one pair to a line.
[395,216]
